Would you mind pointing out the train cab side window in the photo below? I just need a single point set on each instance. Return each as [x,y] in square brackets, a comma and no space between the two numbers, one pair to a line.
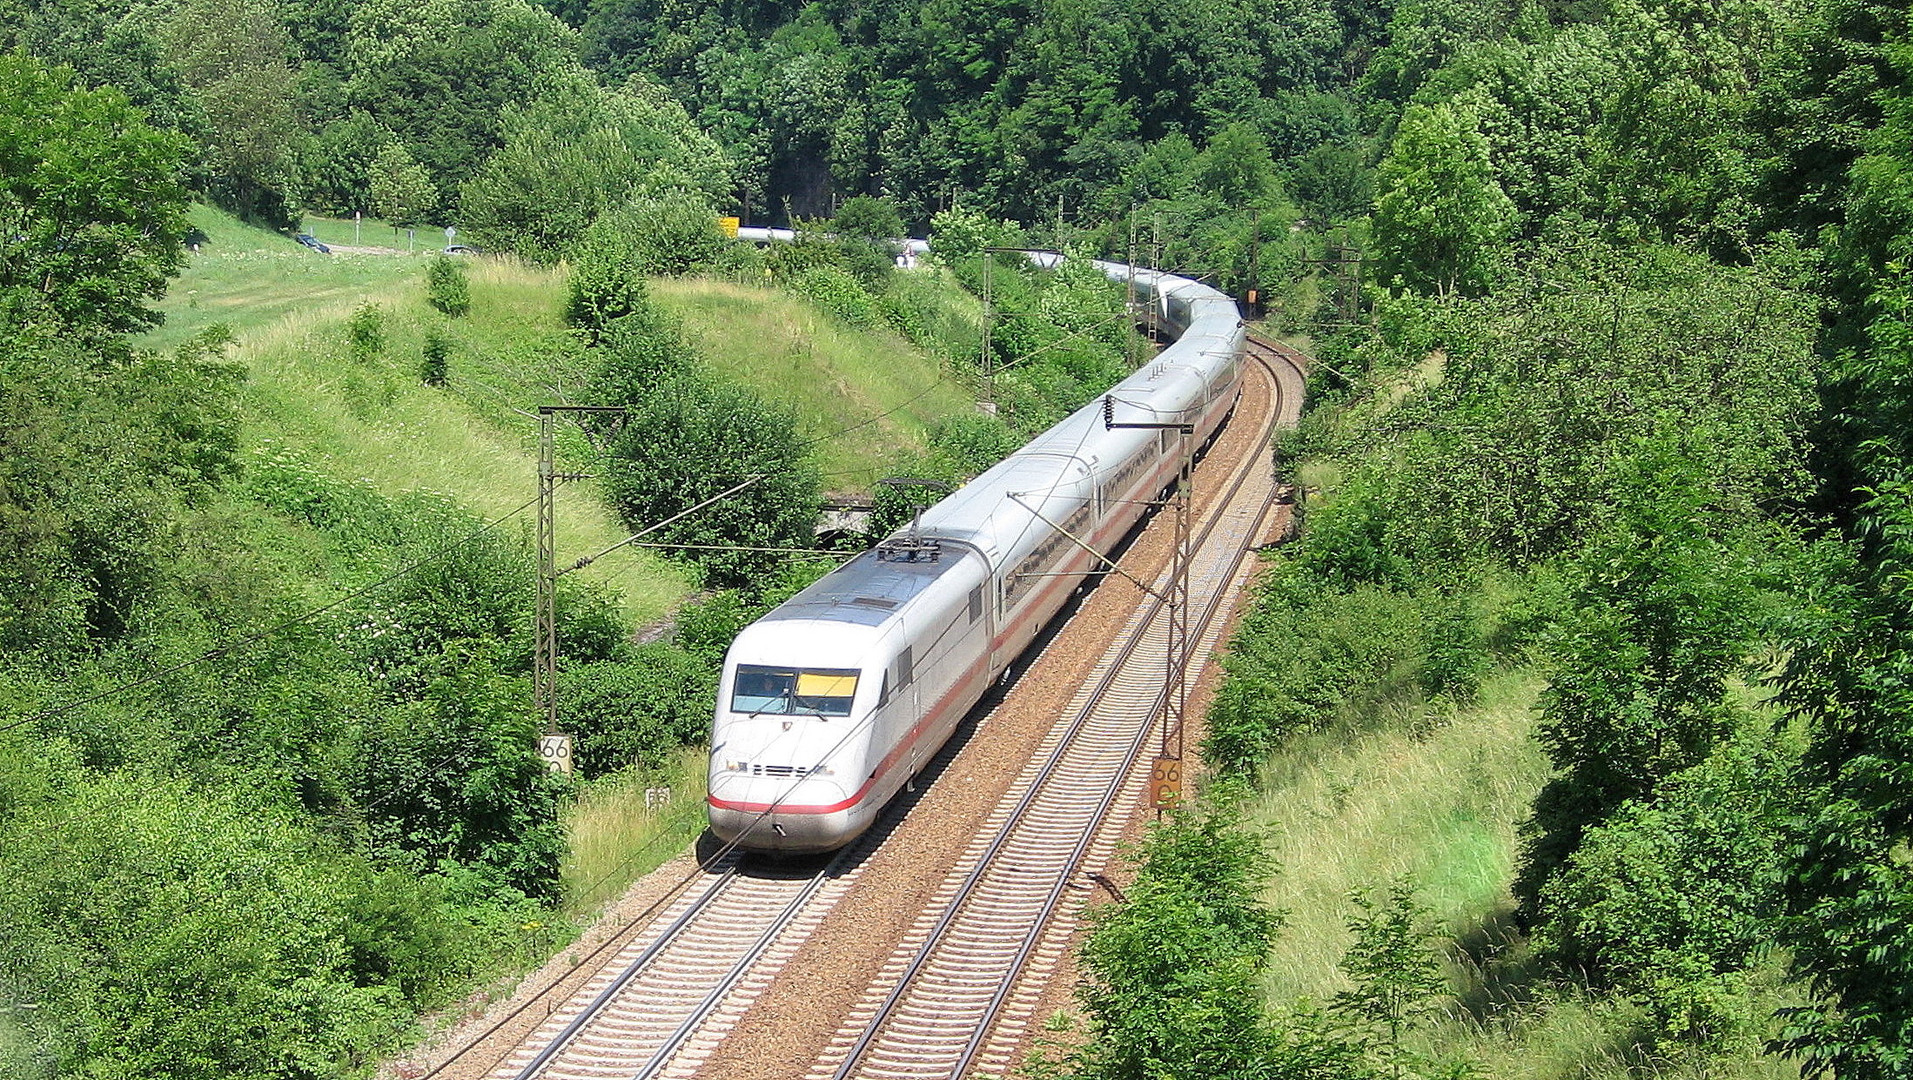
[904,672]
[976,603]
[883,691]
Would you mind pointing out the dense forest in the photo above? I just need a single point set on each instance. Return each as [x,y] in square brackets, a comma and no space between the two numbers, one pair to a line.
[1612,404]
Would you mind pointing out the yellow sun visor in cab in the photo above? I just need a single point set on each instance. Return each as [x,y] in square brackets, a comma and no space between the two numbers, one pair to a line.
[812,684]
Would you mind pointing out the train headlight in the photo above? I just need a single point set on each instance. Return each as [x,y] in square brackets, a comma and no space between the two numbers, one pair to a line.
[823,770]
[736,766]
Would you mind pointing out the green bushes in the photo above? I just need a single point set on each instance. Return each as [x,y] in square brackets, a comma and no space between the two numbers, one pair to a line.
[446,289]
[686,438]
[434,359]
[1311,658]
[166,930]
[689,440]
[639,709]
[1673,899]
[365,332]
[1171,972]
[670,233]
[603,287]
[837,291]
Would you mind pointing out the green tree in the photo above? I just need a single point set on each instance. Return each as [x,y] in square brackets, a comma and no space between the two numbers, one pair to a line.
[399,187]
[365,332]
[1172,972]
[442,76]
[92,210]
[864,227]
[335,166]
[171,930]
[637,711]
[1660,615]
[1397,975]
[434,359]
[233,57]
[669,233]
[1672,899]
[95,466]
[451,777]
[446,288]
[578,152]
[687,439]
[1441,221]
[605,285]
[1847,887]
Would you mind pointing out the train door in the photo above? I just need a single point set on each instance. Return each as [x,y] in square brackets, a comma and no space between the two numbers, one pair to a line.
[910,705]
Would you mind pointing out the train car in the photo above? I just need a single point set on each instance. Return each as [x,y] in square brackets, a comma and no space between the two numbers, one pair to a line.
[832,701]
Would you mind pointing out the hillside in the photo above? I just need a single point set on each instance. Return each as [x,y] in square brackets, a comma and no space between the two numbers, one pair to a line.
[476,438]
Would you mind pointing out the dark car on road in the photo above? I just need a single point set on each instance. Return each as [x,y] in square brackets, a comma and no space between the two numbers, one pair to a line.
[313,242]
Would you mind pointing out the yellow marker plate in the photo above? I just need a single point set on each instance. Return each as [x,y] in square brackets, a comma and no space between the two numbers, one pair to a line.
[810,684]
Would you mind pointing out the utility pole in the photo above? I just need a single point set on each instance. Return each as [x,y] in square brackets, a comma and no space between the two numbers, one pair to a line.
[1167,774]
[989,315]
[545,658]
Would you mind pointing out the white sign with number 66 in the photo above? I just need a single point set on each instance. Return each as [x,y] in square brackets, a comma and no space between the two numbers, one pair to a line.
[556,750]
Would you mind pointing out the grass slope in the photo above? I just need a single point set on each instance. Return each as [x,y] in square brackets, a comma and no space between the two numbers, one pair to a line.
[475,440]
[868,397]
[1439,803]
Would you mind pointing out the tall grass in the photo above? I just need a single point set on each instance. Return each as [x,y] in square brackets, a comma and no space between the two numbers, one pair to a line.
[1439,801]
[627,824]
[867,397]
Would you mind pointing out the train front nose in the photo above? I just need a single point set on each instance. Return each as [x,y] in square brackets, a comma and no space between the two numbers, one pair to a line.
[770,808]
[786,750]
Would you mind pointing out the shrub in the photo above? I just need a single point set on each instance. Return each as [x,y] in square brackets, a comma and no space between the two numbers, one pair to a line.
[1172,975]
[445,287]
[838,292]
[604,286]
[1673,901]
[688,439]
[171,930]
[667,234]
[864,227]
[452,778]
[1308,657]
[636,712]
[433,359]
[365,332]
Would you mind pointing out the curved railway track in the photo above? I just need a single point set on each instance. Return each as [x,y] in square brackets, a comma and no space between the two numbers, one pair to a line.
[956,995]
[949,1007]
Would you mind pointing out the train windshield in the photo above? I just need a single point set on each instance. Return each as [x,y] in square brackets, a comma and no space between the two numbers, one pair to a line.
[784,691]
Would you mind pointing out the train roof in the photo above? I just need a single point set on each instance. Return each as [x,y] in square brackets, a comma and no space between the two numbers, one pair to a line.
[867,590]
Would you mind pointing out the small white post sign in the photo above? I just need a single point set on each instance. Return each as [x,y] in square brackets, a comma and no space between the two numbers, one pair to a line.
[556,750]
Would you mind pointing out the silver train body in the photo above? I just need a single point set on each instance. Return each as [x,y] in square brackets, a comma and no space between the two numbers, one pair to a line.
[832,701]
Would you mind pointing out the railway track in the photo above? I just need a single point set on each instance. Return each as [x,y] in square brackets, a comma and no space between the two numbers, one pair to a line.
[662,1006]
[960,994]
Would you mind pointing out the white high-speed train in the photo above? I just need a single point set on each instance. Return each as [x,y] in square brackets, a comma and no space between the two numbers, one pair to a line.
[834,699]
